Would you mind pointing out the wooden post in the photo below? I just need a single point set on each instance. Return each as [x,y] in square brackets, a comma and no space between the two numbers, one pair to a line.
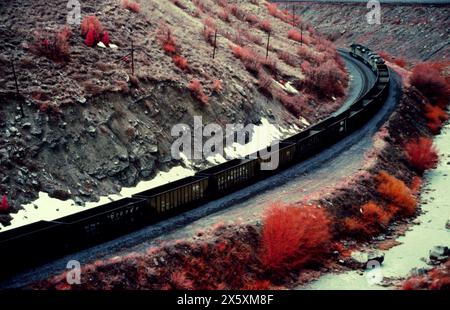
[17,87]
[301,34]
[293,15]
[215,44]
[268,42]
[132,57]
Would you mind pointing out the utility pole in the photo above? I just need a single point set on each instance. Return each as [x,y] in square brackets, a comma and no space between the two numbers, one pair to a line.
[132,57]
[301,34]
[215,44]
[293,15]
[268,42]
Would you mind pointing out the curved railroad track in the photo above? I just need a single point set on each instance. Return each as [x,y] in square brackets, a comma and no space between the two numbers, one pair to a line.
[326,167]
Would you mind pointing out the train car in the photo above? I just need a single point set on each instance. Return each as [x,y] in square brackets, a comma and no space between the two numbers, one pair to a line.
[30,244]
[275,160]
[177,195]
[231,175]
[103,222]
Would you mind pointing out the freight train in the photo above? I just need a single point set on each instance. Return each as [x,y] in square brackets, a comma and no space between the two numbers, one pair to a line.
[34,243]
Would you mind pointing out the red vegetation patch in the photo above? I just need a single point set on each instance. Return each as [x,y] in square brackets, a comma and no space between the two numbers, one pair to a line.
[436,116]
[396,191]
[217,86]
[371,220]
[429,81]
[295,35]
[327,79]
[4,206]
[436,279]
[105,38]
[92,29]
[180,62]
[195,86]
[293,236]
[273,9]
[54,46]
[265,25]
[132,6]
[167,40]
[422,154]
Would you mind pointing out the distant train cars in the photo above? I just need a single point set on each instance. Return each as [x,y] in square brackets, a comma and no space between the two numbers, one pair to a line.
[30,244]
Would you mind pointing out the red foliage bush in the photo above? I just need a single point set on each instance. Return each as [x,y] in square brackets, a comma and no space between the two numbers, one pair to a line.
[208,35]
[132,6]
[91,22]
[224,15]
[54,46]
[288,58]
[90,38]
[401,62]
[436,117]
[248,57]
[105,38]
[421,153]
[327,79]
[180,62]
[252,19]
[167,40]
[293,236]
[217,86]
[371,220]
[273,9]
[195,86]
[430,82]
[436,279]
[4,206]
[398,193]
[265,25]
[295,35]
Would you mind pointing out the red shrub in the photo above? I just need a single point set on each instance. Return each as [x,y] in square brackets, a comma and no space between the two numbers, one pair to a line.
[288,58]
[436,116]
[429,81]
[401,62]
[180,62]
[54,46]
[371,220]
[265,82]
[252,19]
[4,206]
[248,57]
[265,25]
[217,86]
[398,193]
[91,22]
[421,153]
[195,86]
[90,38]
[105,38]
[273,9]
[327,79]
[293,236]
[224,15]
[132,6]
[167,40]
[295,35]
[209,34]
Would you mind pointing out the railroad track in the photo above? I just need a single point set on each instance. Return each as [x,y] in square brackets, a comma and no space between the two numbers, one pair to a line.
[106,222]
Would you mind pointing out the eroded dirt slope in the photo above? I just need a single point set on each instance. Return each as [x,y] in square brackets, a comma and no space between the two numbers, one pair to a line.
[89,126]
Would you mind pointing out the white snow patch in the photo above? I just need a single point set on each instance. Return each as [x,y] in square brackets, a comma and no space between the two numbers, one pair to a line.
[47,208]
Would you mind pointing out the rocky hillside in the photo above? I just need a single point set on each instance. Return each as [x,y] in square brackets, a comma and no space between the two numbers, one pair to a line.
[411,31]
[86,122]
